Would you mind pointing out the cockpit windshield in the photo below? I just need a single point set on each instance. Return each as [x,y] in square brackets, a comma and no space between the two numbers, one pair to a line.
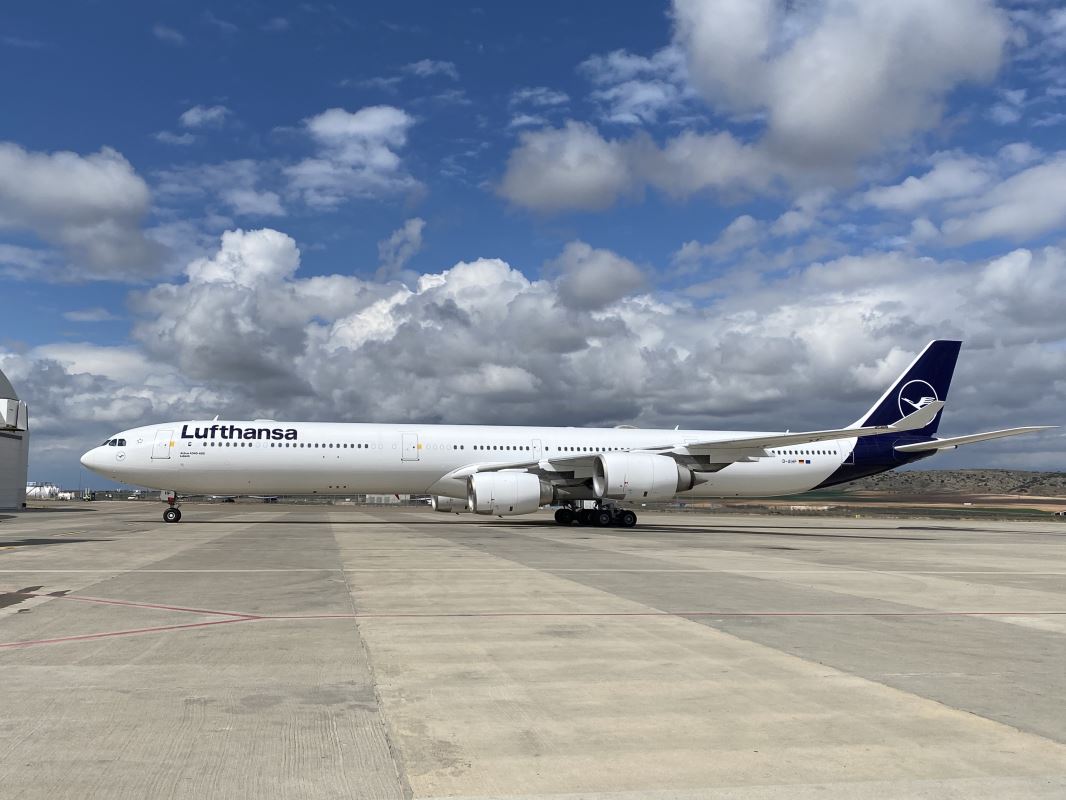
[114,443]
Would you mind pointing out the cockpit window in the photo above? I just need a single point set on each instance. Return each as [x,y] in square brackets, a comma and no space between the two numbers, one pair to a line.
[113,443]
[121,442]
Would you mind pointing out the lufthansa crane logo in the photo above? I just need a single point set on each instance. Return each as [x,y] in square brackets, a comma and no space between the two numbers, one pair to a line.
[914,396]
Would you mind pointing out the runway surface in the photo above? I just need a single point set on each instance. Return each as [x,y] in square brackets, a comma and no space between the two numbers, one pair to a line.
[287,651]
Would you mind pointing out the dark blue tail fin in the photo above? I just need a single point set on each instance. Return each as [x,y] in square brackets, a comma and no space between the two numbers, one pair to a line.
[928,378]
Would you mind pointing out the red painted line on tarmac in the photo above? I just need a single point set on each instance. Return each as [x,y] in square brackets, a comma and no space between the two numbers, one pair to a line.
[133,604]
[236,615]
[504,614]
[112,634]
[509,614]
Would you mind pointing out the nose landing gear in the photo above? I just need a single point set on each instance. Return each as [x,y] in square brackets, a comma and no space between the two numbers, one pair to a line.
[173,513]
[604,515]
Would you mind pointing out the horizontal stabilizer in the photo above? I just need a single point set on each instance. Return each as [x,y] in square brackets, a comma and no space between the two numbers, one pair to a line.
[955,441]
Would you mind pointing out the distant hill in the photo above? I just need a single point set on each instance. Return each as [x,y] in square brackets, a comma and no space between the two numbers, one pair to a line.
[965,481]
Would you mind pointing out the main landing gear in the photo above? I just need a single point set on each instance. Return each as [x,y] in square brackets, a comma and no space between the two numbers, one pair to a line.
[173,513]
[603,515]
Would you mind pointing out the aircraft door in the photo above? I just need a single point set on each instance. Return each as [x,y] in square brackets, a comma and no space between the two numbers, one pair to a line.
[409,448]
[161,447]
[538,449]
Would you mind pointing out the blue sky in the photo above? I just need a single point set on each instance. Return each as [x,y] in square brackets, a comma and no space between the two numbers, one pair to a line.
[706,214]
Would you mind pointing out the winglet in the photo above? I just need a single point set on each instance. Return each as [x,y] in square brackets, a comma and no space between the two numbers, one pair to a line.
[918,419]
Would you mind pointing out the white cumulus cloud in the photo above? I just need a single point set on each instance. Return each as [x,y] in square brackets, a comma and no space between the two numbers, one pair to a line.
[90,206]
[837,80]
[400,247]
[567,168]
[821,86]
[358,156]
[204,116]
[590,278]
[951,176]
[1026,204]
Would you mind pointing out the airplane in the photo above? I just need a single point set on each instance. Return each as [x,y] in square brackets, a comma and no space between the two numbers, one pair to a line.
[508,470]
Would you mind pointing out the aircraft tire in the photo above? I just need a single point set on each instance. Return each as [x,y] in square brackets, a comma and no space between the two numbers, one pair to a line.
[172,515]
[601,518]
[584,517]
[564,516]
[627,519]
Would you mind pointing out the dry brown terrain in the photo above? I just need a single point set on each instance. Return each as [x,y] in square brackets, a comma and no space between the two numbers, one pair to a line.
[965,481]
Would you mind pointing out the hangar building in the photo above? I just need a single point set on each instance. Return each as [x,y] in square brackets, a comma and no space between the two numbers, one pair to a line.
[14,447]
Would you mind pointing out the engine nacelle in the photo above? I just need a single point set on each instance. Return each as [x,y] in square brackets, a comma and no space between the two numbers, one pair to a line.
[506,493]
[448,505]
[639,476]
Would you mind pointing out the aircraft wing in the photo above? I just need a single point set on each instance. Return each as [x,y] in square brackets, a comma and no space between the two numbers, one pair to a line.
[756,446]
[955,441]
[703,454]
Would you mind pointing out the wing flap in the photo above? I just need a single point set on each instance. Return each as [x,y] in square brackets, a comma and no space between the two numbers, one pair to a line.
[955,441]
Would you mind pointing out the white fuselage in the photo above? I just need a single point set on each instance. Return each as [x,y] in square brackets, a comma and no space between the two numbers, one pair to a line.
[205,457]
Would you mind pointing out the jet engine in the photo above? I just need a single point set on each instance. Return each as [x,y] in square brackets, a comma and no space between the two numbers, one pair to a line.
[448,505]
[506,493]
[640,476]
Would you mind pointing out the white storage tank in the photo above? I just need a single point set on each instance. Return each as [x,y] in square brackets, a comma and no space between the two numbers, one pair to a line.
[14,447]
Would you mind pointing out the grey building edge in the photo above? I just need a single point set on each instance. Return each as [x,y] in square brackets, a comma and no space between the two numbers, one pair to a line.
[14,447]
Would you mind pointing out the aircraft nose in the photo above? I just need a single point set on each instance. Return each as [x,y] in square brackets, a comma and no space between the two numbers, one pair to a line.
[91,459]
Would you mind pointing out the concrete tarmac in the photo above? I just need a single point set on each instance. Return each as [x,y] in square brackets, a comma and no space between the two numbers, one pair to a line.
[259,651]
